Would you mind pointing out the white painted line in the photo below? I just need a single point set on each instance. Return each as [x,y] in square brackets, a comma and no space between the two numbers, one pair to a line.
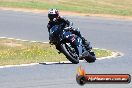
[23,40]
[21,65]
[114,55]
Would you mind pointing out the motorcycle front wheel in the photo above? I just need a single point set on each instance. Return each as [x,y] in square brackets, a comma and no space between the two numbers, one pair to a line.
[70,52]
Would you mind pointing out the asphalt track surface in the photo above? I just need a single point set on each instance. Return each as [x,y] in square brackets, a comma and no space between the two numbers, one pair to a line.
[103,33]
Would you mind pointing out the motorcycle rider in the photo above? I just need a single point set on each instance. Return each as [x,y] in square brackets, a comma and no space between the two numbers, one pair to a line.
[56,19]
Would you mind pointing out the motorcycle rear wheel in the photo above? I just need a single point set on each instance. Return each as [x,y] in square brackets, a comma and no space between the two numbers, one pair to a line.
[90,58]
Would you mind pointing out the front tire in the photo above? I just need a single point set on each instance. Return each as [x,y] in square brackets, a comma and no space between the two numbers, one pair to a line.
[64,50]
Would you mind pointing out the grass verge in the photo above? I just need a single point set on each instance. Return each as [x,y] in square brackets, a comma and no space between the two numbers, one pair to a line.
[113,7]
[14,52]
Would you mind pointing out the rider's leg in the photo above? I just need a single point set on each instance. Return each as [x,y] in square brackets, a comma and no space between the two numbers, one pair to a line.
[84,41]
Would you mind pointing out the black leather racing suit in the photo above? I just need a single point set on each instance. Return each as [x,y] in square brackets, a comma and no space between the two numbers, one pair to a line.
[67,23]
[58,21]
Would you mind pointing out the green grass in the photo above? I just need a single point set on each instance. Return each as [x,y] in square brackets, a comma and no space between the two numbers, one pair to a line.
[113,7]
[18,52]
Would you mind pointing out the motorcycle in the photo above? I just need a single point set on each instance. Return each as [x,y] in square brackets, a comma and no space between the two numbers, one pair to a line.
[70,45]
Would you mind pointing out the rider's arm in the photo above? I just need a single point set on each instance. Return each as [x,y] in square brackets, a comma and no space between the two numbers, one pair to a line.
[49,26]
[66,21]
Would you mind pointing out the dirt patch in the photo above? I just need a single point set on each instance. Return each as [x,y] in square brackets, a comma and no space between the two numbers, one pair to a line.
[11,44]
[68,13]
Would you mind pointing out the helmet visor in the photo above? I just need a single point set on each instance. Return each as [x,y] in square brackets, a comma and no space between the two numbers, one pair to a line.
[52,16]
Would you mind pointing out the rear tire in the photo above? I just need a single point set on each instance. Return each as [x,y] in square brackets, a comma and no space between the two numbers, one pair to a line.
[90,58]
[68,56]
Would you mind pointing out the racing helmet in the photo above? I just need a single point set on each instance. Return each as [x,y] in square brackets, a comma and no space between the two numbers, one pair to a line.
[53,13]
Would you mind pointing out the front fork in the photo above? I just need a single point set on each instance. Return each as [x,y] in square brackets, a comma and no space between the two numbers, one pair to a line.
[77,43]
